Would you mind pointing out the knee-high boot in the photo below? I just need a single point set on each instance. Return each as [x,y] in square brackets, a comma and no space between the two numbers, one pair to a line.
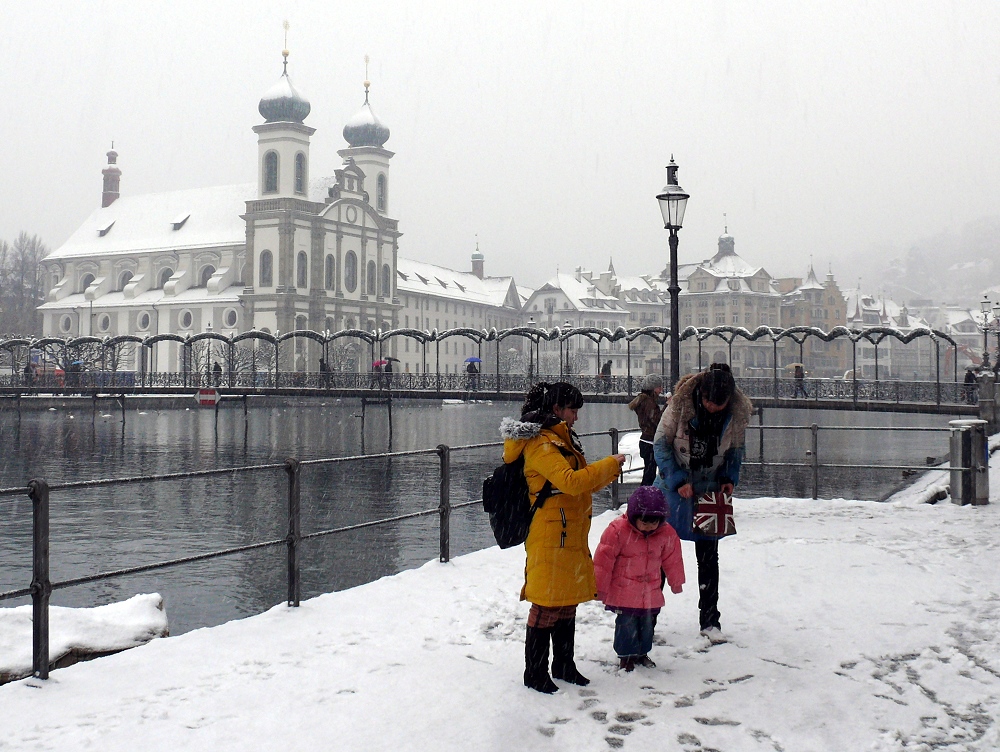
[536,660]
[563,639]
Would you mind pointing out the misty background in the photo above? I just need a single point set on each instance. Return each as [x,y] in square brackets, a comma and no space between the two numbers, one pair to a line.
[860,135]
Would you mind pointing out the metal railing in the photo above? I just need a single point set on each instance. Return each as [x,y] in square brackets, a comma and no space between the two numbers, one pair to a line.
[38,490]
[813,452]
[484,385]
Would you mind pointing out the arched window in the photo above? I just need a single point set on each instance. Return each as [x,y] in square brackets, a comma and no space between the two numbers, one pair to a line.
[271,172]
[380,193]
[329,271]
[300,173]
[370,278]
[206,274]
[164,277]
[123,279]
[386,281]
[351,271]
[86,281]
[301,271]
[266,269]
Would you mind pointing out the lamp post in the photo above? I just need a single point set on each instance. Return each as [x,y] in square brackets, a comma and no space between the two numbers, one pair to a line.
[673,202]
[531,353]
[569,369]
[996,326]
[208,358]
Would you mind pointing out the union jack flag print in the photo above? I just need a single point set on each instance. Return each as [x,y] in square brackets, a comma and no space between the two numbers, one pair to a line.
[713,515]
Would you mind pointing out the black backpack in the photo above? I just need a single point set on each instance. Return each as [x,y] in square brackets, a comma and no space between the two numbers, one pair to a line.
[506,500]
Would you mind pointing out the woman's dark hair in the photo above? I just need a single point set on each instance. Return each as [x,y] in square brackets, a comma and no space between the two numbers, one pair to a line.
[543,397]
[717,384]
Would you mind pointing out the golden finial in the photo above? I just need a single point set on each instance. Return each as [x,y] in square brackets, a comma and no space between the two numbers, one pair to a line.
[284,52]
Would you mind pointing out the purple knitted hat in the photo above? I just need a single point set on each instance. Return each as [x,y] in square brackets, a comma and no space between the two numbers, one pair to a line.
[648,500]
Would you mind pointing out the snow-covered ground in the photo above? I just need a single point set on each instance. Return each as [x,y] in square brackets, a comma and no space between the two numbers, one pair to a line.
[853,626]
[80,632]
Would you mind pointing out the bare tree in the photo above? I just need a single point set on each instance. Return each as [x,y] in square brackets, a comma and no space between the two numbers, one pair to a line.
[21,286]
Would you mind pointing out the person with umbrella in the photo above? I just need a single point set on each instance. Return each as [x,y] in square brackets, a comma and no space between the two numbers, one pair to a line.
[473,370]
[387,372]
[800,380]
[375,381]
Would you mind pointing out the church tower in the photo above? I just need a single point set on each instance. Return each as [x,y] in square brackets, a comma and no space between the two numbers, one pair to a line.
[366,136]
[283,141]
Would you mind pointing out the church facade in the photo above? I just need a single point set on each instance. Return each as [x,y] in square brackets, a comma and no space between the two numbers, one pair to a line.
[288,252]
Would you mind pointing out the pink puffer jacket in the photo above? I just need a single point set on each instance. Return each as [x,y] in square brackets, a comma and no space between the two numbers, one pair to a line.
[627,564]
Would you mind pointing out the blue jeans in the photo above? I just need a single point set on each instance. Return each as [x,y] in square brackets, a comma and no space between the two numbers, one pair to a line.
[633,634]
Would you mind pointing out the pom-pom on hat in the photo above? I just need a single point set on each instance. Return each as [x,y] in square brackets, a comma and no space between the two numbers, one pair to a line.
[649,501]
[650,383]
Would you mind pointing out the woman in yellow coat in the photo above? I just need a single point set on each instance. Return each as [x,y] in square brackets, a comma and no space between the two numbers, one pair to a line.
[560,569]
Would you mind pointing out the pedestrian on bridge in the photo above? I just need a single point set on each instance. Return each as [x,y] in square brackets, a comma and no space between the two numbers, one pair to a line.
[647,411]
[699,447]
[559,573]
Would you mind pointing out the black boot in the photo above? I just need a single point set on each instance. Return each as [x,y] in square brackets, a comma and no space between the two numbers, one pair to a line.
[563,667]
[536,660]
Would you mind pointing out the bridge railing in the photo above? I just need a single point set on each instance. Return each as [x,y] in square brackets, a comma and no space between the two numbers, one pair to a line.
[756,387]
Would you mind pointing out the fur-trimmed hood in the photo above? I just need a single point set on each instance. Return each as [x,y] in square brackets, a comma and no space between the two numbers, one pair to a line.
[514,429]
[741,407]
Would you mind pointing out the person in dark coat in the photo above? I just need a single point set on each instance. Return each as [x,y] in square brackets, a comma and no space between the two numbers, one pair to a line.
[216,373]
[647,411]
[699,447]
[970,386]
[606,376]
[800,381]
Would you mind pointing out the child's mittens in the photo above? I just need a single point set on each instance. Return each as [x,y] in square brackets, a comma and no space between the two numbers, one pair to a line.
[676,589]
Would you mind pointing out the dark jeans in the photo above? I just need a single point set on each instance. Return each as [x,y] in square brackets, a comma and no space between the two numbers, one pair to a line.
[800,387]
[649,468]
[633,634]
[707,554]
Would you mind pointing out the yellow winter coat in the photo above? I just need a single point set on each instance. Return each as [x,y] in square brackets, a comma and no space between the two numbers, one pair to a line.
[560,568]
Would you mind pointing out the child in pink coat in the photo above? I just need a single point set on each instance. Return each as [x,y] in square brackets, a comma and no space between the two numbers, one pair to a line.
[633,550]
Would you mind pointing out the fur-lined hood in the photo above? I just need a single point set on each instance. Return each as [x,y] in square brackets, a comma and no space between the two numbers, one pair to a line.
[514,429]
[741,407]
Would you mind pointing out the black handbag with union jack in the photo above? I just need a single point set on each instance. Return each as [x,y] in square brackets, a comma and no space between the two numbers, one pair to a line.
[713,515]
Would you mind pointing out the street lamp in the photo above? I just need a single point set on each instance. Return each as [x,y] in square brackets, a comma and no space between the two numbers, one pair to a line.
[531,352]
[569,370]
[996,326]
[208,359]
[673,202]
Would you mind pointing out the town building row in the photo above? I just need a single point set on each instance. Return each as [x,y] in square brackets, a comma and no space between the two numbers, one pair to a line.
[295,252]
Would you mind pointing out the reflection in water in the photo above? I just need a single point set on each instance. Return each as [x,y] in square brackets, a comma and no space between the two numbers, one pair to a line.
[112,527]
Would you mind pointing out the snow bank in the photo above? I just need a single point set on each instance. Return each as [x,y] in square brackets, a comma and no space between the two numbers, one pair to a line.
[79,633]
[853,626]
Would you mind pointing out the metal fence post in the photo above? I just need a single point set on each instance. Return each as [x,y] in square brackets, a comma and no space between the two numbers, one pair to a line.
[815,461]
[614,484]
[760,430]
[444,506]
[41,586]
[294,470]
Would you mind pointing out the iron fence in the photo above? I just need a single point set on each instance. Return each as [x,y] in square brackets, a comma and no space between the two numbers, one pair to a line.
[38,490]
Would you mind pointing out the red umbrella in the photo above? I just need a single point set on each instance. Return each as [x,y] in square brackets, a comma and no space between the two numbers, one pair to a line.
[379,363]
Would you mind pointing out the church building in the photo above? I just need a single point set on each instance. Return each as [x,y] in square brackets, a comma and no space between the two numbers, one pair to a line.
[285,253]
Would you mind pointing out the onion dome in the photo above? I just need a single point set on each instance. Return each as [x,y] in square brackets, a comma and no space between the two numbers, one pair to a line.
[282,103]
[365,129]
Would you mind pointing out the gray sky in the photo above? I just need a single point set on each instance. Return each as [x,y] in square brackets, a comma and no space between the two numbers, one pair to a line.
[818,128]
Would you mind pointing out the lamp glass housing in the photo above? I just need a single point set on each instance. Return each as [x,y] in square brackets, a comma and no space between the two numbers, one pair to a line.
[984,305]
[673,202]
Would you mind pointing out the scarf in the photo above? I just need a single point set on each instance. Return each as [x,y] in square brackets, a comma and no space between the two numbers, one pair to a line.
[705,430]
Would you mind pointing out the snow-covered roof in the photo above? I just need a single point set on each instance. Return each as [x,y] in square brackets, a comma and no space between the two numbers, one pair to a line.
[582,294]
[134,224]
[417,277]
[173,220]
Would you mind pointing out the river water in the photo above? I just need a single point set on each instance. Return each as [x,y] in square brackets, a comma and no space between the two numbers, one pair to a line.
[113,527]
